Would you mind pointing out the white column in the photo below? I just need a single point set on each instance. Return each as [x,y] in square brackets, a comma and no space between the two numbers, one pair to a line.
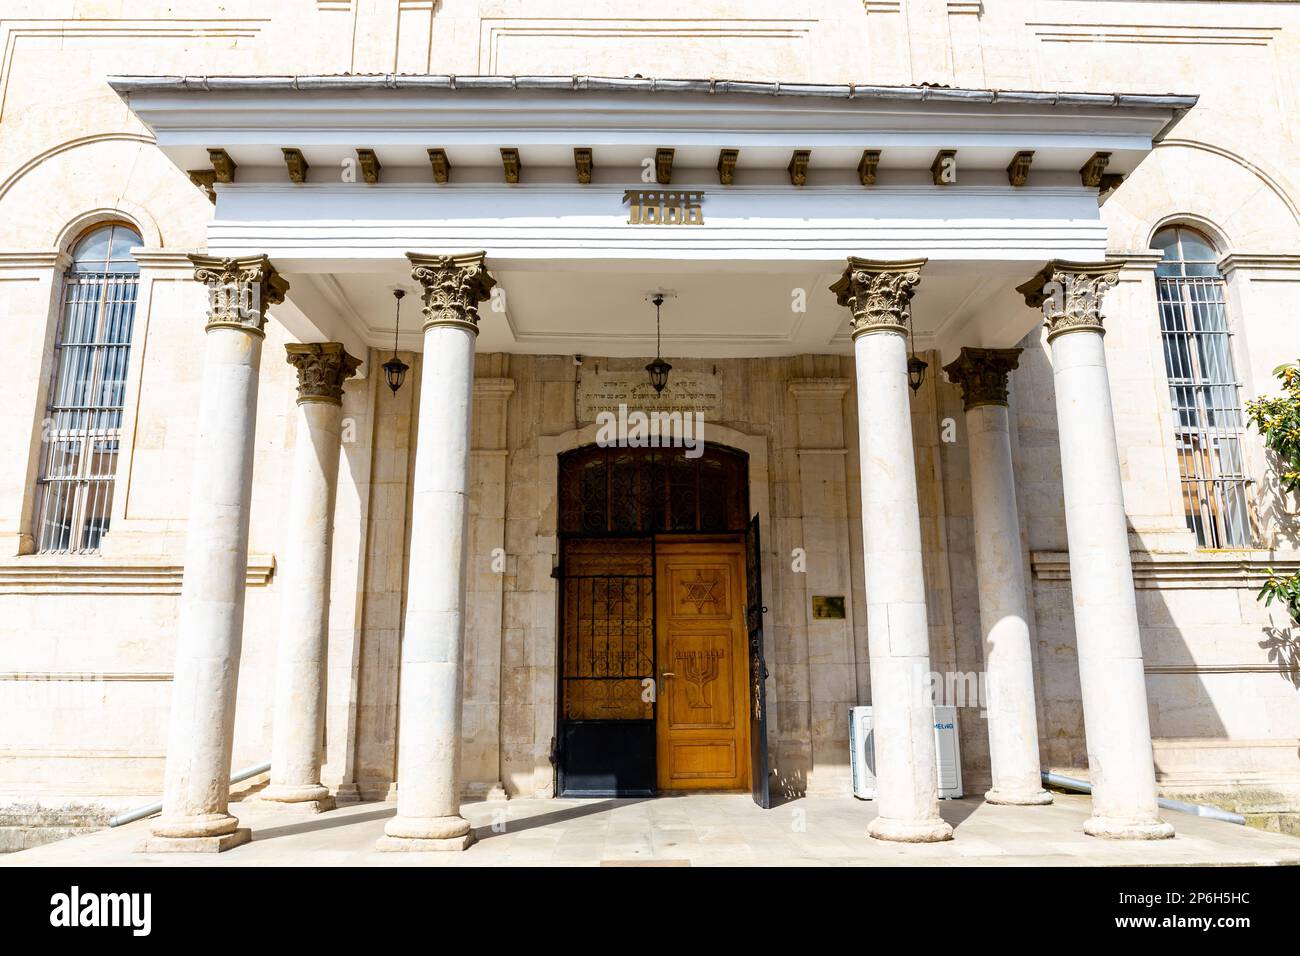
[429,721]
[1101,573]
[999,569]
[878,295]
[299,721]
[197,784]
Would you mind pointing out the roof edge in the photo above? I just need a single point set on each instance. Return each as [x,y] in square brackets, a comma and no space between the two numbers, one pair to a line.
[127,85]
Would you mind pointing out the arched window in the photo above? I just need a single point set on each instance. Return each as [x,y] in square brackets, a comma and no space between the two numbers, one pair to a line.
[83,420]
[1208,420]
[652,490]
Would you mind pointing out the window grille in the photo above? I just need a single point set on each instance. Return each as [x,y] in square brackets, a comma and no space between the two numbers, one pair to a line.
[652,490]
[1209,425]
[81,432]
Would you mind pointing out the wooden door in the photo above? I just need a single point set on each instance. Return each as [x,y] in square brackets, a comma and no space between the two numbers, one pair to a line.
[702,717]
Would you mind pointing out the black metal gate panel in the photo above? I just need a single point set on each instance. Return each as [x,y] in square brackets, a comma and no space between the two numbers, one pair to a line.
[754,610]
[607,706]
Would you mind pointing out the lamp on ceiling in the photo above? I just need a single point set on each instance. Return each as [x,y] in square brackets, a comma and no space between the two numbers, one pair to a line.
[915,366]
[658,369]
[395,369]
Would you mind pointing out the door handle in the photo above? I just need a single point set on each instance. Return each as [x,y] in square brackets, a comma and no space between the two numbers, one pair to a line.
[667,674]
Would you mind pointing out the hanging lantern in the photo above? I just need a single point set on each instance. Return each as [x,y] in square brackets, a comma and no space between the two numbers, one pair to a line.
[916,372]
[915,367]
[658,369]
[395,369]
[395,373]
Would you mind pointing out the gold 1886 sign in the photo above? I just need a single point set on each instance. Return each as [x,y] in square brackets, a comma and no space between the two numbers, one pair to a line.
[655,207]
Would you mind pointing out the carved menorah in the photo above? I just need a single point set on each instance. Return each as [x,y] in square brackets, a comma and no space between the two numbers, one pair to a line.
[699,668]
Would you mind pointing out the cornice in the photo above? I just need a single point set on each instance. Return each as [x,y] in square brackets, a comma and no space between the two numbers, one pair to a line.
[571,83]
[391,113]
[153,258]
[819,387]
[96,574]
[107,676]
[34,259]
[1145,260]
[1267,262]
[1200,569]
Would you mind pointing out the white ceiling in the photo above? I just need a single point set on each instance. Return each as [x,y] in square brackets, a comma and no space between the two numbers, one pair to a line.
[568,309]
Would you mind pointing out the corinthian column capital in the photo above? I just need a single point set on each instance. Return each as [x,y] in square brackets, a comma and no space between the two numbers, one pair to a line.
[240,290]
[453,287]
[878,294]
[322,367]
[1070,294]
[982,375]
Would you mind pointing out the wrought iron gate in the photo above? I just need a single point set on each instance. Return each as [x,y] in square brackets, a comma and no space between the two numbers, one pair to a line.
[607,623]
[754,611]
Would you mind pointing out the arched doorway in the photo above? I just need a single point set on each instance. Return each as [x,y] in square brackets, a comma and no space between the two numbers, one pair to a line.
[660,670]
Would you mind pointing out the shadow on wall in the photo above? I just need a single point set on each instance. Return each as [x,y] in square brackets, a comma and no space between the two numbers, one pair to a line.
[1219,671]
[1175,638]
[1283,648]
[1219,668]
[1222,675]
[1272,511]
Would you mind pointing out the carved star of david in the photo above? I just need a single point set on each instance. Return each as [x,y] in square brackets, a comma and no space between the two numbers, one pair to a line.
[700,592]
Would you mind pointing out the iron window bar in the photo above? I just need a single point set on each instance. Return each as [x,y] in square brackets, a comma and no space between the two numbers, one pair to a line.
[81,433]
[1208,419]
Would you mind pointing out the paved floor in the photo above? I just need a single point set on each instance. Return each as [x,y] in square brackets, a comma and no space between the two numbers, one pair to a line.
[699,830]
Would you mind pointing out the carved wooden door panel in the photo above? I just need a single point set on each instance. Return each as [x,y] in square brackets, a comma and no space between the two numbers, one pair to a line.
[702,717]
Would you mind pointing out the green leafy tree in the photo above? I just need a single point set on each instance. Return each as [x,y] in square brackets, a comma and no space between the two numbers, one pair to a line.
[1278,420]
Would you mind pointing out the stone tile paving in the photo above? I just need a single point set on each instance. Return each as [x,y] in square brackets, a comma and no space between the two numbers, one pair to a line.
[696,830]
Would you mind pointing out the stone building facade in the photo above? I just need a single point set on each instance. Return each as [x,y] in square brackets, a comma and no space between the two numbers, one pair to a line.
[89,623]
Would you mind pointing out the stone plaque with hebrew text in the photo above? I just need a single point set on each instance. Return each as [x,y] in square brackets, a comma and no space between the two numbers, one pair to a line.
[685,392]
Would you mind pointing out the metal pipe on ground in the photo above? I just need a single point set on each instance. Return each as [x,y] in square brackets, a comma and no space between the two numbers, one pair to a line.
[1197,809]
[139,813]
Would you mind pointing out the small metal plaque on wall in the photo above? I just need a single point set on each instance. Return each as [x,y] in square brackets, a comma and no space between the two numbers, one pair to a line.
[827,608]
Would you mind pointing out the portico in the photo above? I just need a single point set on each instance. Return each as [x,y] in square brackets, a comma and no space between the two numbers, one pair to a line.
[848,229]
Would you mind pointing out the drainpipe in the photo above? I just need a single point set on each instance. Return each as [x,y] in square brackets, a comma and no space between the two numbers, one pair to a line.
[1196,809]
[139,813]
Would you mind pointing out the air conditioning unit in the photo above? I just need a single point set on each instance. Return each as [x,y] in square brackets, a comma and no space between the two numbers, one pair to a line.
[863,755]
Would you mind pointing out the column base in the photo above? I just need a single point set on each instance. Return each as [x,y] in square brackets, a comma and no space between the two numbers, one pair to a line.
[305,799]
[348,793]
[1109,828]
[425,834]
[1018,798]
[194,826]
[387,844]
[200,844]
[909,831]
[371,791]
[304,807]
